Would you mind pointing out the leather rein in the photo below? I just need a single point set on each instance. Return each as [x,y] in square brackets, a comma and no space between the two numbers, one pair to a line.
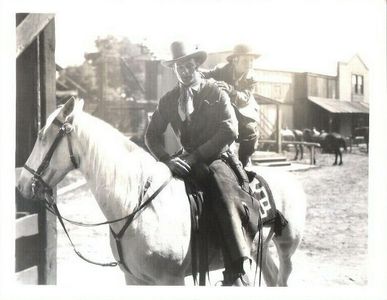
[42,190]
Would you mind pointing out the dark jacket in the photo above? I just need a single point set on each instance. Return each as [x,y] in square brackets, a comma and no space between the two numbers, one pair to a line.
[243,98]
[213,126]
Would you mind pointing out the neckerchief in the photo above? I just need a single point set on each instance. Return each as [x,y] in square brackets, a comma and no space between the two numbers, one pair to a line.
[186,108]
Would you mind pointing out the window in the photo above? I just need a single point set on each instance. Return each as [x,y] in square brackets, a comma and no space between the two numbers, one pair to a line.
[357,84]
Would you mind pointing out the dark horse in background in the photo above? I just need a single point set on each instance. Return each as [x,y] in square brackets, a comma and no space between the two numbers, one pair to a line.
[330,142]
[288,135]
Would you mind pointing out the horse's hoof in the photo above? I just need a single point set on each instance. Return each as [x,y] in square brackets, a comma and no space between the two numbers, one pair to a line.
[340,164]
[334,164]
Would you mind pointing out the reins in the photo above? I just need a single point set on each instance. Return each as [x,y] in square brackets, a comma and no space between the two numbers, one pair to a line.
[129,218]
[42,189]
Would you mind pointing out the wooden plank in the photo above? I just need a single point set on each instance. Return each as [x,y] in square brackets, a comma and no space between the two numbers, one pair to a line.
[28,276]
[47,221]
[29,29]
[26,226]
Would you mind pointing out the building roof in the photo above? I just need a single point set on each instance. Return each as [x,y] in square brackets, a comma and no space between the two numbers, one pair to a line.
[338,106]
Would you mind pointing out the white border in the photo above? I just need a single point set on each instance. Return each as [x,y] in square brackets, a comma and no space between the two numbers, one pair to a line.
[377,179]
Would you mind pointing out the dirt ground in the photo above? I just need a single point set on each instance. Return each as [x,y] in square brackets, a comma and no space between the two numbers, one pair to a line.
[333,252]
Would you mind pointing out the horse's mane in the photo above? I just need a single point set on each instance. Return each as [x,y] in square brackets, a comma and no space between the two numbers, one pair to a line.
[118,164]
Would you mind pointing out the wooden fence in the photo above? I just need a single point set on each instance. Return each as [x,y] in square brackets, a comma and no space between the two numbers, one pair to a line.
[312,146]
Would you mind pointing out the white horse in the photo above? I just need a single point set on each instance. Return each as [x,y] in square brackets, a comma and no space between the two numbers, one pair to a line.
[156,246]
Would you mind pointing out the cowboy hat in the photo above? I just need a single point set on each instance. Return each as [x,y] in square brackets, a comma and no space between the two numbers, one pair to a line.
[242,49]
[179,54]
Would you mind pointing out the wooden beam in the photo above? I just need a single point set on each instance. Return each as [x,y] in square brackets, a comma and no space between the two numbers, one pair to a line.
[279,127]
[47,274]
[28,276]
[29,29]
[27,226]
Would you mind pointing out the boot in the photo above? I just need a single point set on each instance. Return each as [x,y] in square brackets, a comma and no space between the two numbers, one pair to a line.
[235,279]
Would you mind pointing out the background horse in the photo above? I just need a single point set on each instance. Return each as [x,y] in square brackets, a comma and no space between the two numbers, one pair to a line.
[156,246]
[330,142]
[288,135]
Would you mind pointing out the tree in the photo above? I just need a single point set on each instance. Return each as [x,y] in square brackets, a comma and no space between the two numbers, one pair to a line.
[115,72]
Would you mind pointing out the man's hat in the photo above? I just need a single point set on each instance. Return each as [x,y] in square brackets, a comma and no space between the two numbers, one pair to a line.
[179,54]
[242,49]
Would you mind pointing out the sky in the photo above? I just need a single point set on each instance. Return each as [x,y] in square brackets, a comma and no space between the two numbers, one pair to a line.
[291,35]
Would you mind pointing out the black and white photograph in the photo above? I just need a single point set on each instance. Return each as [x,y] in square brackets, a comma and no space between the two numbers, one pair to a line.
[187,149]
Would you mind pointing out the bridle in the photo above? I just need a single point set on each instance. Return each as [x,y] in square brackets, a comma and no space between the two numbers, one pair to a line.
[39,186]
[42,190]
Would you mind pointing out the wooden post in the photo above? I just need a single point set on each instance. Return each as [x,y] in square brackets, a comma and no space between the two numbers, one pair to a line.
[279,127]
[47,221]
[35,99]
[330,123]
[312,149]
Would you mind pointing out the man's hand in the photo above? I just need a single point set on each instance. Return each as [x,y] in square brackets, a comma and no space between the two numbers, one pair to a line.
[178,167]
[224,86]
[181,166]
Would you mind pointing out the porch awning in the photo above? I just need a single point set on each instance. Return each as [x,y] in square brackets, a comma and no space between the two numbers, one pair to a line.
[337,106]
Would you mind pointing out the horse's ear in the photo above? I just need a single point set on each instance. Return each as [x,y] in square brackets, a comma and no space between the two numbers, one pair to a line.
[71,106]
[79,105]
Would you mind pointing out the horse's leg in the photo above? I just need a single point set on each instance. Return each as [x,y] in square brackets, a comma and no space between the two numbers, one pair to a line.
[286,244]
[341,157]
[336,155]
[269,268]
[296,147]
[302,151]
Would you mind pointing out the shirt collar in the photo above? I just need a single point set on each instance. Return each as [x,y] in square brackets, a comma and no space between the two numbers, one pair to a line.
[195,86]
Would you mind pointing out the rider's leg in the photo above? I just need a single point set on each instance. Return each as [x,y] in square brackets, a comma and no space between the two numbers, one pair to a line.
[227,205]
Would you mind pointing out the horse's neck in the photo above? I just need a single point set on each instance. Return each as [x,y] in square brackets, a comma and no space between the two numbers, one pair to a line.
[114,168]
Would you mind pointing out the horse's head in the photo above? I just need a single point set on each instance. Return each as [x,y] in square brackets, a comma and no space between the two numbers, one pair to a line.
[52,156]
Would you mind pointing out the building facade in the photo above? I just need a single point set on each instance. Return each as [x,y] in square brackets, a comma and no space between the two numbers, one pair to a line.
[289,99]
[304,100]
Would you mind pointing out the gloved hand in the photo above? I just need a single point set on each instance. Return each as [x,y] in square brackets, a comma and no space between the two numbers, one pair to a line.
[181,166]
[178,167]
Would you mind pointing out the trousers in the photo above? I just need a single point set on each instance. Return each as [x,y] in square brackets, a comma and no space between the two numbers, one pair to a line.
[225,196]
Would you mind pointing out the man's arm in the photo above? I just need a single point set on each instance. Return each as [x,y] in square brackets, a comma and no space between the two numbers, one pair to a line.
[154,134]
[226,133]
[242,93]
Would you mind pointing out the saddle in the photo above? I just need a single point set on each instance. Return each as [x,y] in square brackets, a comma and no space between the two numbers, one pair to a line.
[257,213]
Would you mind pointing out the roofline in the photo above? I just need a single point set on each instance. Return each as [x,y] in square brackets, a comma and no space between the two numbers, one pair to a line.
[358,56]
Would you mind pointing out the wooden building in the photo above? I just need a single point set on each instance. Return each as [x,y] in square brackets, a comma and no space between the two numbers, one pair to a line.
[303,100]
[334,103]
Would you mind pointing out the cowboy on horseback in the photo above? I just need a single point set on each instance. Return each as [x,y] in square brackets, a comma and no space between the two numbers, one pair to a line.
[203,118]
